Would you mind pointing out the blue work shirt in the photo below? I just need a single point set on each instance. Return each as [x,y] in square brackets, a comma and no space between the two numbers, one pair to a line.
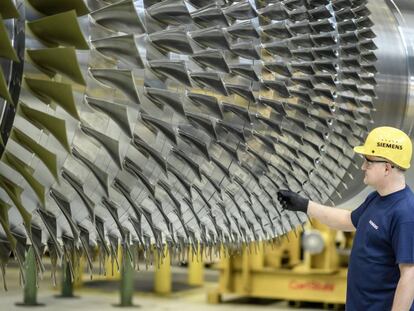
[384,238]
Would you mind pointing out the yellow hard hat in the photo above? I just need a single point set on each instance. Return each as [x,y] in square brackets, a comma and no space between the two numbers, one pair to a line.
[389,143]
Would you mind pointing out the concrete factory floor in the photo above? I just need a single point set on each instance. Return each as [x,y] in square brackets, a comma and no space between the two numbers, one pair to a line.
[102,296]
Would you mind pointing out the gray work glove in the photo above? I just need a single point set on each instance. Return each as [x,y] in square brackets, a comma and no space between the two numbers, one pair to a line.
[292,201]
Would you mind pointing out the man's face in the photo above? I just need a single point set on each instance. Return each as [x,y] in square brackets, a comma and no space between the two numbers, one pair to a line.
[375,169]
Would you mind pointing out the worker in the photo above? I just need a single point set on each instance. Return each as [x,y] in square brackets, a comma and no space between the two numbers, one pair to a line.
[381,265]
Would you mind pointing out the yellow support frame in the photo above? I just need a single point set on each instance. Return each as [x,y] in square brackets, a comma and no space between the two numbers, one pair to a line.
[282,284]
[277,271]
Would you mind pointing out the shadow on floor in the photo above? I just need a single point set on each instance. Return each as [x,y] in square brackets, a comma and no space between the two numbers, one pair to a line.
[139,286]
[292,304]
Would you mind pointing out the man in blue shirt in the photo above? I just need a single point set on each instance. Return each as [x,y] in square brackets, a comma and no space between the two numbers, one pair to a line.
[381,266]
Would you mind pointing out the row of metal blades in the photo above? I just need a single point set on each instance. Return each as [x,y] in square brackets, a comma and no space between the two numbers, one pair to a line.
[169,125]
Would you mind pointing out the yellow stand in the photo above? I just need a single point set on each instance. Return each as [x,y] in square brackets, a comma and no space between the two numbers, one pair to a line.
[195,269]
[111,268]
[162,281]
[79,271]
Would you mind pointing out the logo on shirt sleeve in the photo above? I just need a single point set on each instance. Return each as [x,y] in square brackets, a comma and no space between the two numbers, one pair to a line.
[373,224]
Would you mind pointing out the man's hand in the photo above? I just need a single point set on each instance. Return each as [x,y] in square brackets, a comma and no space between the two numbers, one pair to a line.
[292,201]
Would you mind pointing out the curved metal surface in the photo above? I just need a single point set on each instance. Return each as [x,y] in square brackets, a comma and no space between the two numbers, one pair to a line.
[393,25]
[404,14]
[12,70]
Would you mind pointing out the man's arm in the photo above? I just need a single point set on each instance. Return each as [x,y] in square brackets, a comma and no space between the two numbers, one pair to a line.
[336,218]
[404,294]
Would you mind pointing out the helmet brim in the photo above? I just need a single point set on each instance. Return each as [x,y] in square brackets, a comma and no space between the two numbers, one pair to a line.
[361,150]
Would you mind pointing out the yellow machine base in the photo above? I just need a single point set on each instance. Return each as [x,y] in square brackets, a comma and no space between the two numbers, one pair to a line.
[285,285]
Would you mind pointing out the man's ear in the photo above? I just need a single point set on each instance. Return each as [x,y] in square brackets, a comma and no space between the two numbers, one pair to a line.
[388,167]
